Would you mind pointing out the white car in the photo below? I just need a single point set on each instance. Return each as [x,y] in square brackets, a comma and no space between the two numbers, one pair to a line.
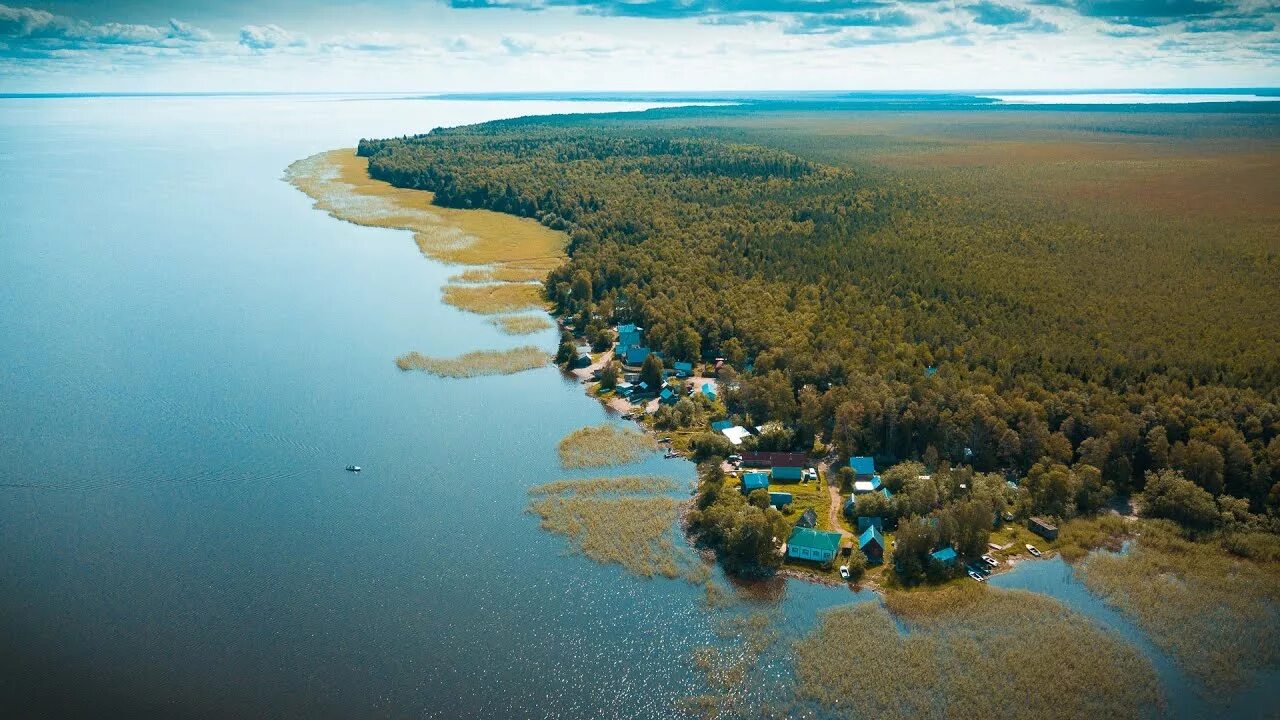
[844,571]
[1032,549]
[976,576]
[990,560]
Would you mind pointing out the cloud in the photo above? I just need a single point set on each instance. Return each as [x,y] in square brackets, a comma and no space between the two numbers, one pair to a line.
[989,13]
[678,9]
[1232,25]
[1147,13]
[951,32]
[830,23]
[588,44]
[50,31]
[270,37]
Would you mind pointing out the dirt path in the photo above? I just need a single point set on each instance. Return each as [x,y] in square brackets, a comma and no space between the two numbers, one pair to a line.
[833,510]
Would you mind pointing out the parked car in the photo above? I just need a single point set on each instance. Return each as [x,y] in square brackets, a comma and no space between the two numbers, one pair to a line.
[990,560]
[976,576]
[1032,549]
[844,572]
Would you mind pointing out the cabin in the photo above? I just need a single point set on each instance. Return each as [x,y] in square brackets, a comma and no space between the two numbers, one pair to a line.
[709,392]
[946,556]
[809,544]
[736,434]
[871,543]
[808,519]
[683,369]
[635,355]
[865,486]
[863,466]
[754,481]
[756,458]
[580,361]
[869,522]
[1043,528]
[780,499]
[668,396]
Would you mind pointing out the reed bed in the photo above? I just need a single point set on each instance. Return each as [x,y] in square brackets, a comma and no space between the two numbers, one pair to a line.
[1217,615]
[971,652]
[521,324]
[478,363]
[494,298]
[631,531]
[601,445]
[604,485]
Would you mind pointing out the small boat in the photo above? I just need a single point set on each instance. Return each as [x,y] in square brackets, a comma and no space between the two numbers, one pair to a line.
[1032,549]
[353,468]
[990,560]
[976,576]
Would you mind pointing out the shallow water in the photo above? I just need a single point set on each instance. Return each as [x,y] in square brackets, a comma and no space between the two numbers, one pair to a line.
[189,357]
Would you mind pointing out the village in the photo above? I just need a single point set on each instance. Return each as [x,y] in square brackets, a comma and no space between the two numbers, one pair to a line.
[827,502]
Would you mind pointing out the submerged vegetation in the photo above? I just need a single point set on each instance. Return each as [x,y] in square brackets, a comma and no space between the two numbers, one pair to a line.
[608,525]
[475,364]
[600,445]
[957,646]
[1217,615]
[521,324]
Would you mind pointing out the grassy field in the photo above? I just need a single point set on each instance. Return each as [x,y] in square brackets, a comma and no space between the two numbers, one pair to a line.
[971,652]
[1217,615]
[478,363]
[601,445]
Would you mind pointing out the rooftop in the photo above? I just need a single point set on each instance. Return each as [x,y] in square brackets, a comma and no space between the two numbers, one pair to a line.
[814,539]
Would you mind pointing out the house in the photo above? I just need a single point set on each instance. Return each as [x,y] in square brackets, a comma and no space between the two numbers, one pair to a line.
[780,499]
[580,361]
[946,556]
[863,466]
[850,507]
[683,369]
[668,396]
[629,336]
[866,486]
[808,519]
[624,389]
[1043,528]
[735,434]
[754,481]
[809,544]
[635,355]
[583,349]
[721,425]
[867,522]
[786,465]
[871,543]
[708,392]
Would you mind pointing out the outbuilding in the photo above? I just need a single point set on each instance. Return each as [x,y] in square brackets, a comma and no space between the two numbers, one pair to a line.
[754,481]
[1043,528]
[808,519]
[946,556]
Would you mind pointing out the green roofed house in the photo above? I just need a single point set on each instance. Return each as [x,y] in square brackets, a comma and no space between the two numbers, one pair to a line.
[809,544]
[708,391]
[754,481]
[780,499]
[668,396]
[635,355]
[863,466]
[946,556]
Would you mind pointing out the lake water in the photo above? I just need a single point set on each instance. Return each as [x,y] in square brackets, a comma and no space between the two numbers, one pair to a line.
[190,355]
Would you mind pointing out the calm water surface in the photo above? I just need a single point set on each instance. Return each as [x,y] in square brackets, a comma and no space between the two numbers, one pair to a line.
[189,356]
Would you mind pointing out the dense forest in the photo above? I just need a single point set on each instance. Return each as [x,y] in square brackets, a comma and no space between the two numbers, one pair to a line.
[877,311]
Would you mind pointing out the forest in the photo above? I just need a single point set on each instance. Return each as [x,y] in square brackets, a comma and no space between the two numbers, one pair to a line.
[1075,300]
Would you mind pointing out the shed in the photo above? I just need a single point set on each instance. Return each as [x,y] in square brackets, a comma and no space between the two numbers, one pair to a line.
[708,392]
[864,466]
[946,556]
[1043,528]
[754,481]
[721,425]
[869,522]
[850,507]
[788,472]
[683,369]
[871,543]
[809,544]
[808,519]
[780,499]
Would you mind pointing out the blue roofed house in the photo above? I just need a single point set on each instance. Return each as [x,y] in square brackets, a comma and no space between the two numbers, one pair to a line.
[780,499]
[683,369]
[864,466]
[708,392]
[946,556]
[754,481]
[635,355]
[721,425]
[629,335]
[668,396]
[809,544]
[871,543]
[868,522]
[865,486]
[623,389]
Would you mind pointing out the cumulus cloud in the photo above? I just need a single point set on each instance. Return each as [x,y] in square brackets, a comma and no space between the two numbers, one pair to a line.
[270,37]
[43,29]
[830,23]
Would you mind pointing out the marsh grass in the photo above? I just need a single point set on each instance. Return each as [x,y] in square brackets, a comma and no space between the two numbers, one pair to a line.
[605,485]
[729,667]
[478,363]
[961,645]
[521,324]
[1079,536]
[1216,614]
[601,445]
[495,297]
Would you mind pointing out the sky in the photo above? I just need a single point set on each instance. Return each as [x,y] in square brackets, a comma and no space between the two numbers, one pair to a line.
[566,45]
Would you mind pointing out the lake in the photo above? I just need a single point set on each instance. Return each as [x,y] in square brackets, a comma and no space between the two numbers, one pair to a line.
[189,357]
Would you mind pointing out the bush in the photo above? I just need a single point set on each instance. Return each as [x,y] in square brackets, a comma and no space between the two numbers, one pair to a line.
[1170,495]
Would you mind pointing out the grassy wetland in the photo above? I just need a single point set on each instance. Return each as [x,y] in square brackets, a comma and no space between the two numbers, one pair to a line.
[477,363]
[521,324]
[602,445]
[971,652]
